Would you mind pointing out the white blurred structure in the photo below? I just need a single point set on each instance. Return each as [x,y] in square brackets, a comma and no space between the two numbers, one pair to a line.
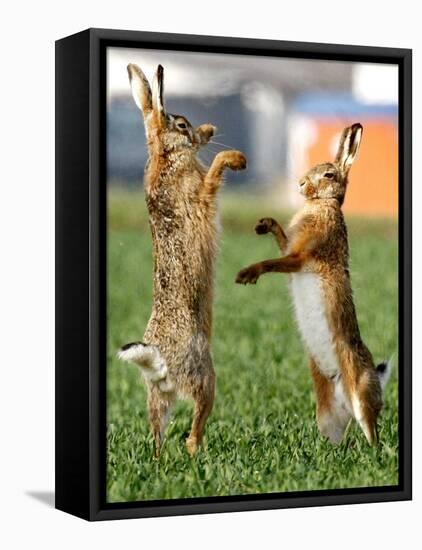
[376,83]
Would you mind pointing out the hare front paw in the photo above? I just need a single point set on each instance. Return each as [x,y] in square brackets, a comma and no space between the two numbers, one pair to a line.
[235,160]
[249,275]
[265,225]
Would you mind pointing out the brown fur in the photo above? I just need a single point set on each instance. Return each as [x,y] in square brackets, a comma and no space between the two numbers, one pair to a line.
[316,242]
[181,199]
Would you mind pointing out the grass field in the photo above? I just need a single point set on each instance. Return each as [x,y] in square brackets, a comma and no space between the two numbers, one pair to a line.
[262,435]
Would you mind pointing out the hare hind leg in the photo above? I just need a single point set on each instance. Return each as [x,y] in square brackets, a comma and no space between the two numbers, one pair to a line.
[332,416]
[366,400]
[159,404]
[203,396]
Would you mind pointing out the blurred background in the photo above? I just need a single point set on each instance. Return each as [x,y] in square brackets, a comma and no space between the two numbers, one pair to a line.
[285,114]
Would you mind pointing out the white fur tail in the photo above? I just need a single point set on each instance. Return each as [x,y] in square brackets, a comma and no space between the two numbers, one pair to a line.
[384,372]
[148,357]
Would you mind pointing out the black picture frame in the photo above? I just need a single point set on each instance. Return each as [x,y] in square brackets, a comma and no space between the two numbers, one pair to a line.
[81,272]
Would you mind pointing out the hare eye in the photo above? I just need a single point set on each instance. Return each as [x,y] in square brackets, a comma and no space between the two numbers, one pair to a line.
[181,125]
[329,175]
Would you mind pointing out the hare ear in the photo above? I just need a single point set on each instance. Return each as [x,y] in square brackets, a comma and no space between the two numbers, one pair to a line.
[141,90]
[349,147]
[158,91]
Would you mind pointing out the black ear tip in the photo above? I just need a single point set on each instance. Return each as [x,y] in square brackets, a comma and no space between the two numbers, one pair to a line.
[357,126]
[160,70]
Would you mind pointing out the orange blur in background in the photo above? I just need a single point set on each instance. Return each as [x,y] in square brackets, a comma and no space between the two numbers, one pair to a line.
[373,179]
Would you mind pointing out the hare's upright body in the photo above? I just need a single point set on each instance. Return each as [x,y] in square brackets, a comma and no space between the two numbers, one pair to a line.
[181,199]
[311,289]
[315,253]
[346,381]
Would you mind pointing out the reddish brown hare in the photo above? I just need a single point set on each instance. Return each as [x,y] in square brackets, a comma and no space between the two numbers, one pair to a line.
[174,356]
[316,254]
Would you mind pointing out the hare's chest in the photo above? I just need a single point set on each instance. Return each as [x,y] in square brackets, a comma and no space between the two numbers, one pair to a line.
[312,320]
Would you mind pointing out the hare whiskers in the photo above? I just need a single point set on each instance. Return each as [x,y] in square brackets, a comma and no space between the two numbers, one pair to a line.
[221,144]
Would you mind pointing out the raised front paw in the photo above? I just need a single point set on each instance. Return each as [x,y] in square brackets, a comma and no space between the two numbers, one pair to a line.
[249,275]
[235,160]
[265,225]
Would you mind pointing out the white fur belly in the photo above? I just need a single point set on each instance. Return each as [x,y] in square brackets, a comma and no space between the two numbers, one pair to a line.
[312,320]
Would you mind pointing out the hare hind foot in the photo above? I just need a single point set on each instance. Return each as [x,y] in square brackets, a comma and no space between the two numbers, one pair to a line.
[159,405]
[366,420]
[191,445]
[203,403]
[332,425]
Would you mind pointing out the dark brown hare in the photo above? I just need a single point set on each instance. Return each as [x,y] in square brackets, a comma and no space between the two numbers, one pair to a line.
[315,253]
[180,192]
